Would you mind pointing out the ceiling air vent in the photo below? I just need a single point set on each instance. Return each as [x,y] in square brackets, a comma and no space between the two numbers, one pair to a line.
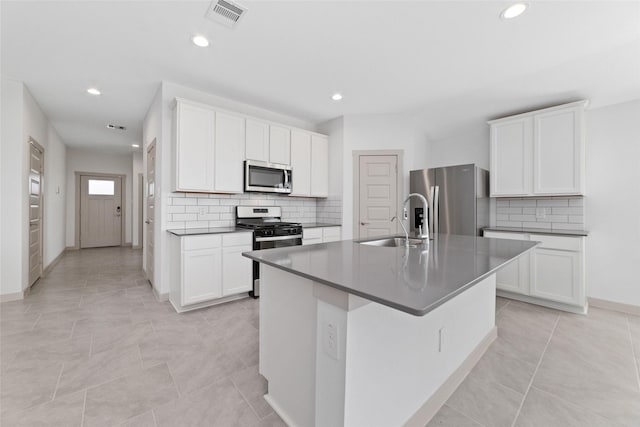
[115,127]
[226,12]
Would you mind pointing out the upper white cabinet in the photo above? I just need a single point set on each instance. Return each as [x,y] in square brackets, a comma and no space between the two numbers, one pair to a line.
[210,146]
[279,145]
[539,153]
[257,140]
[319,166]
[194,129]
[511,145]
[229,149]
[301,163]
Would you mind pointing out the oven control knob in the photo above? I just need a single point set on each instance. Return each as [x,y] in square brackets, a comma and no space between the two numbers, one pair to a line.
[268,232]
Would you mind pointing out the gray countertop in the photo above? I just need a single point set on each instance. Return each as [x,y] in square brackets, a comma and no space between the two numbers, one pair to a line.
[539,231]
[318,225]
[212,230]
[409,280]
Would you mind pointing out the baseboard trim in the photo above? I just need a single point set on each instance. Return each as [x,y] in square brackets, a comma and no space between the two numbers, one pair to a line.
[615,306]
[11,297]
[278,410]
[136,246]
[53,263]
[72,248]
[160,297]
[544,303]
[431,407]
[127,245]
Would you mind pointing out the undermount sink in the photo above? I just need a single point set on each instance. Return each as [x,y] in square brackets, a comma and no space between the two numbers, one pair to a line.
[393,242]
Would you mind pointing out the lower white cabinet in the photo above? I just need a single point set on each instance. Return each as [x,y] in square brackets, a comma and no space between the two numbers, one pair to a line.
[552,274]
[311,236]
[209,269]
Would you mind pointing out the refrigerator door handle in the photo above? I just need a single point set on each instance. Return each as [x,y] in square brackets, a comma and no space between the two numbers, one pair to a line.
[429,214]
[436,209]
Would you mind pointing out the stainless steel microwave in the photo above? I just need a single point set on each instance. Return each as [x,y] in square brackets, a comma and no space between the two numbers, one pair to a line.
[266,177]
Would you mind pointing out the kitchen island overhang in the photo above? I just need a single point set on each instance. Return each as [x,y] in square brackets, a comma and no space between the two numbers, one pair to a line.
[357,335]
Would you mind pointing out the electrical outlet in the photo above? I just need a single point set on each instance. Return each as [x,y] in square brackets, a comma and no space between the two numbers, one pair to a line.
[331,340]
[541,213]
[203,210]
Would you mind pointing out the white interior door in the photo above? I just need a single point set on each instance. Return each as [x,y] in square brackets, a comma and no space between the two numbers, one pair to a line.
[378,194]
[36,163]
[151,201]
[100,211]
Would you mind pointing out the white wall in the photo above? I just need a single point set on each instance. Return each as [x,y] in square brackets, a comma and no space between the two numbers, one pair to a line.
[135,205]
[379,132]
[22,119]
[613,203]
[55,193]
[13,209]
[468,145]
[83,160]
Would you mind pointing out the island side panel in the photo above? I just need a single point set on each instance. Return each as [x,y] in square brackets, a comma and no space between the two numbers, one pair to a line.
[288,313]
[396,361]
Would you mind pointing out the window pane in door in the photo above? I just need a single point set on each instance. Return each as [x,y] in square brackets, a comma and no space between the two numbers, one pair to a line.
[101,187]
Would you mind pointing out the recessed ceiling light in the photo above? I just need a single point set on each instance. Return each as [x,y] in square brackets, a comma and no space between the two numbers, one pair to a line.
[513,11]
[93,91]
[336,96]
[135,145]
[200,41]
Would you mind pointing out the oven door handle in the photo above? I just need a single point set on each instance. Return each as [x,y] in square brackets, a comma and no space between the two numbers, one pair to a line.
[276,238]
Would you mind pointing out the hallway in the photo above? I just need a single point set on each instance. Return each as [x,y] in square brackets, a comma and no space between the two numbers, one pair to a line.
[91,345]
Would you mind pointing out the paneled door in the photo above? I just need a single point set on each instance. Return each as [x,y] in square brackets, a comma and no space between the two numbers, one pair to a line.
[378,187]
[36,170]
[151,202]
[100,211]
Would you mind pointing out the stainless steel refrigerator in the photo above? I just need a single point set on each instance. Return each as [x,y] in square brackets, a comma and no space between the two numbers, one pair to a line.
[457,196]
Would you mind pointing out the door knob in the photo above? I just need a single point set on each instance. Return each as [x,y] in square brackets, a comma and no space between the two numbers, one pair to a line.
[147,222]
[364,223]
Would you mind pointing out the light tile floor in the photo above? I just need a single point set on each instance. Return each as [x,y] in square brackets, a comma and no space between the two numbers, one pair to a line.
[552,369]
[91,346]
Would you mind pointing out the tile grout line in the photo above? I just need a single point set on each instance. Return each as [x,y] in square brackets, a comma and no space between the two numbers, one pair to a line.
[244,398]
[84,406]
[535,372]
[633,352]
[153,416]
[461,413]
[55,390]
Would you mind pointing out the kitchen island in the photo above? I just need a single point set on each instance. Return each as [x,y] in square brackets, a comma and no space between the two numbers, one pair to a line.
[359,335]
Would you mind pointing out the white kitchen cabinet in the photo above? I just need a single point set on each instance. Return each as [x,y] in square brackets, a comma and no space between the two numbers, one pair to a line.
[311,236]
[279,145]
[511,157]
[209,269]
[551,275]
[194,129]
[319,166]
[539,153]
[301,163]
[257,140]
[237,271]
[201,276]
[331,234]
[558,152]
[229,153]
[516,276]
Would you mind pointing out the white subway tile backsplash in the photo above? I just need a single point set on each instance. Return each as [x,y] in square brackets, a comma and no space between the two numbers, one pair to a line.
[208,202]
[184,217]
[171,209]
[185,201]
[552,202]
[559,213]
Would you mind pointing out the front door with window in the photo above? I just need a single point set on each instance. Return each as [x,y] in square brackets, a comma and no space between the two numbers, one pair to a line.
[100,211]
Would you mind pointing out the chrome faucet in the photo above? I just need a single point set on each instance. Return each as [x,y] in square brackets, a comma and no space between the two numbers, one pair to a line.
[422,233]
[406,233]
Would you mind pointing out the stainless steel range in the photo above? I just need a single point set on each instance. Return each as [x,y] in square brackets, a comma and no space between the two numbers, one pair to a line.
[269,231]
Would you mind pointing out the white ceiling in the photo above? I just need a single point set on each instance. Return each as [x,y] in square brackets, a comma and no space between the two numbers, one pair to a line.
[450,62]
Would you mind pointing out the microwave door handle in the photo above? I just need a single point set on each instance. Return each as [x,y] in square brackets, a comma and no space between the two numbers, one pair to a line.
[286,179]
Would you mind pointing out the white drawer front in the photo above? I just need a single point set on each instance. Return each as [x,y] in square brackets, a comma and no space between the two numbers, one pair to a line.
[237,239]
[331,233]
[312,233]
[558,242]
[204,241]
[503,235]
